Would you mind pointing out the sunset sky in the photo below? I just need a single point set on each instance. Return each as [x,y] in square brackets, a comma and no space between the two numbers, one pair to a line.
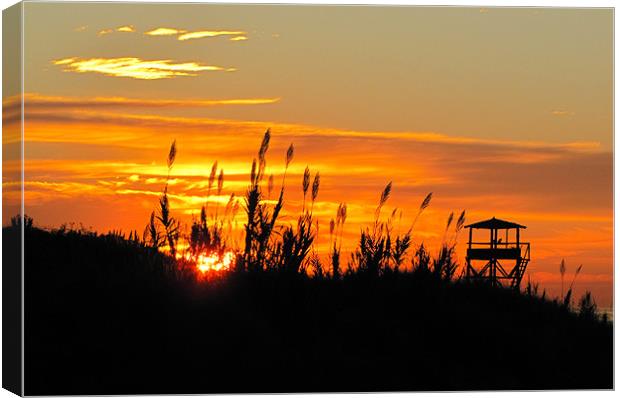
[500,112]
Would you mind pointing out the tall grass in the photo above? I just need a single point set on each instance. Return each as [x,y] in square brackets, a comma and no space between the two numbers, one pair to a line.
[568,297]
[335,239]
[445,265]
[261,217]
[163,228]
[587,306]
[209,233]
[289,248]
[270,245]
[380,250]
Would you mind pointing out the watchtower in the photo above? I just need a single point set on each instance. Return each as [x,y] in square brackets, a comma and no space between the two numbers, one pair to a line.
[483,258]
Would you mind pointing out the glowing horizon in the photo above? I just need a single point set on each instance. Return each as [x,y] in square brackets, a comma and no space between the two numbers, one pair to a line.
[134,181]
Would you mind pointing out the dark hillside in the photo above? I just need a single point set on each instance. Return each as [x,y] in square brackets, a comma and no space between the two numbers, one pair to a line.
[105,315]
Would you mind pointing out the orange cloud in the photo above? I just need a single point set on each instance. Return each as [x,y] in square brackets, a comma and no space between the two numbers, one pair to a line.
[38,102]
[310,131]
[136,68]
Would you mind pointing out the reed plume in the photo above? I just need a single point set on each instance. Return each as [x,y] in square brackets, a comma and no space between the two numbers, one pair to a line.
[567,298]
[172,154]
[289,155]
[450,218]
[270,186]
[384,197]
[152,236]
[305,184]
[203,236]
[425,203]
[315,189]
[336,231]
[562,272]
[460,222]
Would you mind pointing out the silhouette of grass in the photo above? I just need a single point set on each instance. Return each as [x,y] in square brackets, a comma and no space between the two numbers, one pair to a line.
[112,316]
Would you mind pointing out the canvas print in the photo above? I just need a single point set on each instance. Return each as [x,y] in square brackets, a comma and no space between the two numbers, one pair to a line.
[231,198]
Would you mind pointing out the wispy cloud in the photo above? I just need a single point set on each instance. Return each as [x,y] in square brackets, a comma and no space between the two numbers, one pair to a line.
[209,33]
[136,68]
[183,35]
[298,130]
[37,102]
[164,32]
[124,28]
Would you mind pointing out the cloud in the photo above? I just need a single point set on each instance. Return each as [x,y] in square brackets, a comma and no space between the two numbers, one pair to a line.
[80,28]
[64,61]
[126,28]
[103,32]
[136,68]
[164,32]
[184,35]
[209,33]
[37,102]
[298,130]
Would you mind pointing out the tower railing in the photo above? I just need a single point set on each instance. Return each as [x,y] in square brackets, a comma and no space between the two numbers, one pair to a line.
[499,250]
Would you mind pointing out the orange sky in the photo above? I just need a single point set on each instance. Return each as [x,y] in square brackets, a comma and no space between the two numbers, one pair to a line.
[102,111]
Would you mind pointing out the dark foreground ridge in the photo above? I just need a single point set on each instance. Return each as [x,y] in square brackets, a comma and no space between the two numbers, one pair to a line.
[106,316]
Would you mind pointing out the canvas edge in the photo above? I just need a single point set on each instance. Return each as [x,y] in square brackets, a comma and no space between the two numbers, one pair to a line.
[12,253]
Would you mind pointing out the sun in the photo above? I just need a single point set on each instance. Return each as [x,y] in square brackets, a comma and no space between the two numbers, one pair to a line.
[209,262]
[206,262]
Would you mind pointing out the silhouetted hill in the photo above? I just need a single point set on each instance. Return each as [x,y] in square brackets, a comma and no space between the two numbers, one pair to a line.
[105,315]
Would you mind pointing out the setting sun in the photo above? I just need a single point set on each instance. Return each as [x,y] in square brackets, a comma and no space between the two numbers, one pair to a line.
[206,262]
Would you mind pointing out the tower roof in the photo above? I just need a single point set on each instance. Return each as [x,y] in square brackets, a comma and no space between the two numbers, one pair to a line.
[495,223]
